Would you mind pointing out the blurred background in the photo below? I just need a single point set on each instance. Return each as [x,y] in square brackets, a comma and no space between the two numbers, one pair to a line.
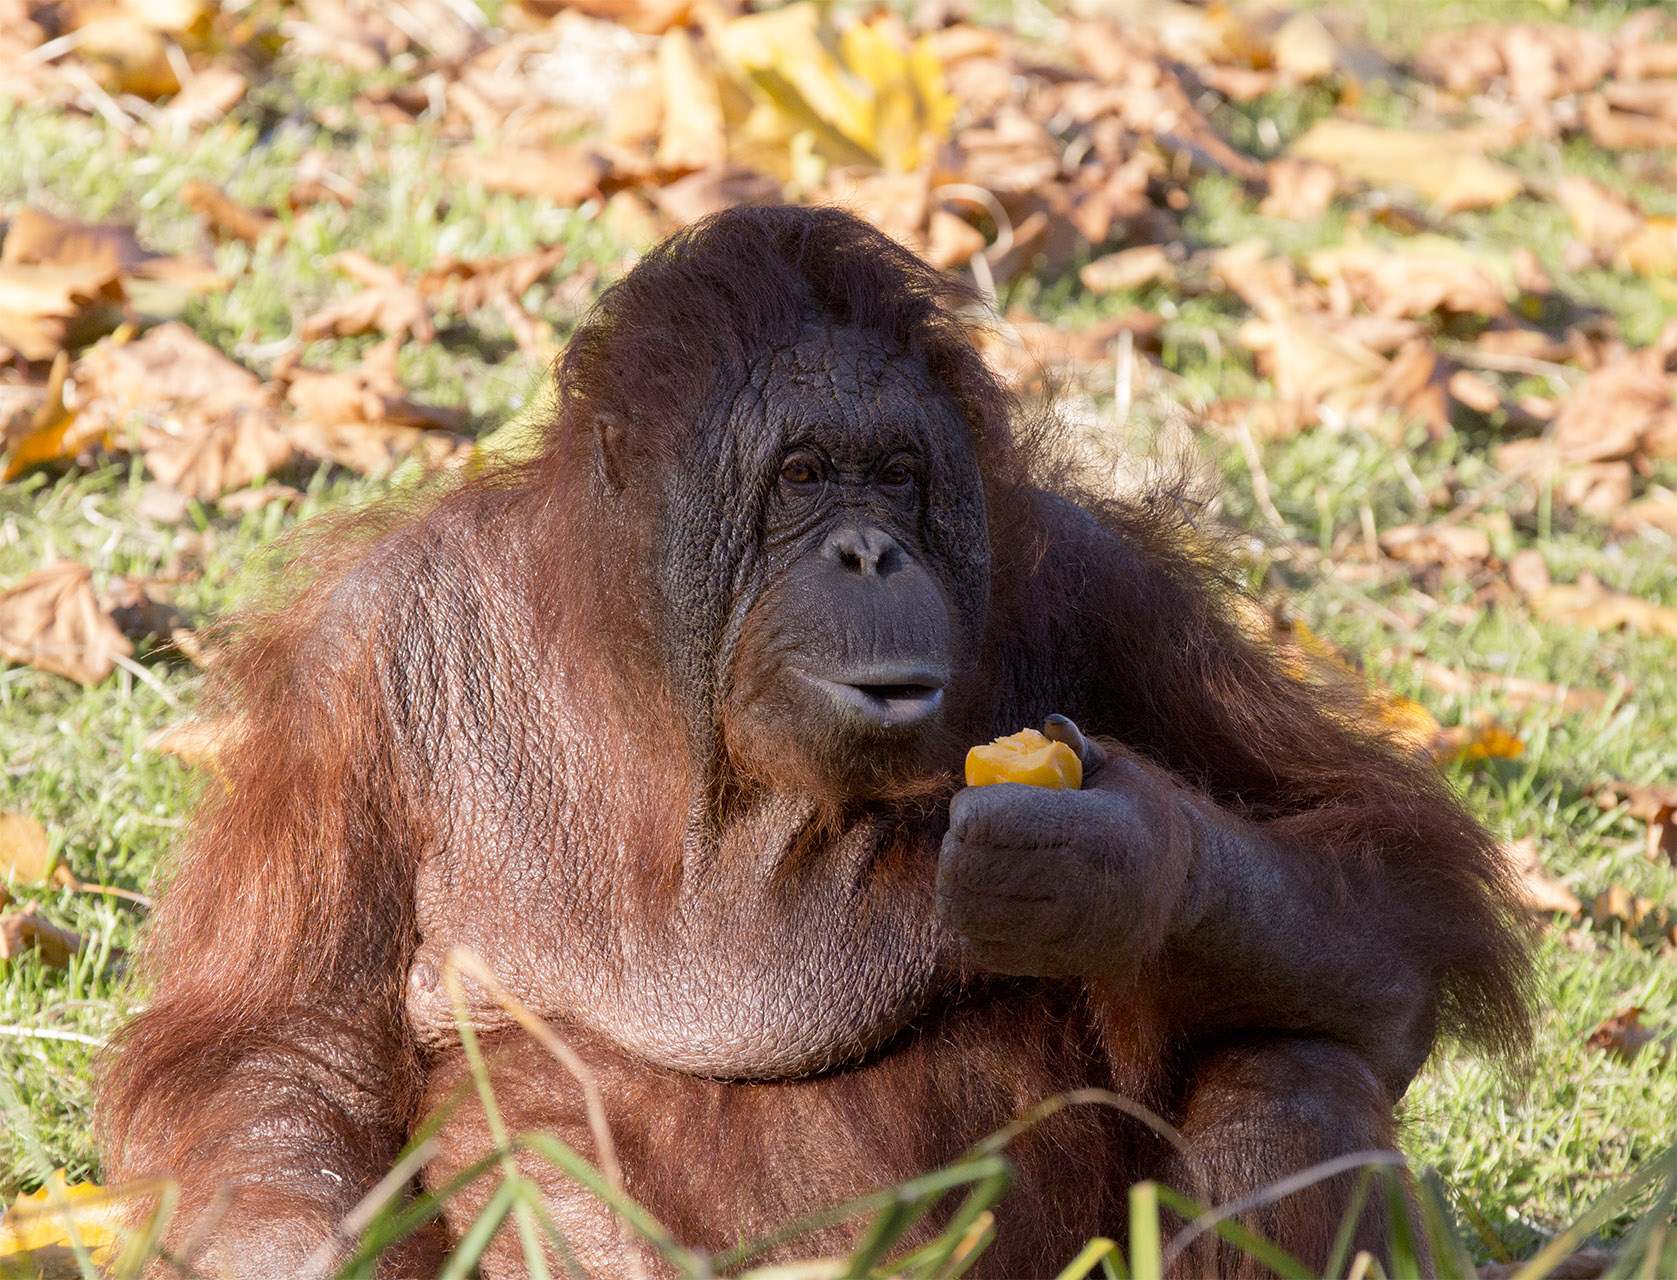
[1397,278]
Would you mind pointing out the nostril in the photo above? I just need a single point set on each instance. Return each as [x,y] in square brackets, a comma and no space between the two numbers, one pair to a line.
[863,550]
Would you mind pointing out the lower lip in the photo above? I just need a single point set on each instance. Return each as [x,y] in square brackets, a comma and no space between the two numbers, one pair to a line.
[893,712]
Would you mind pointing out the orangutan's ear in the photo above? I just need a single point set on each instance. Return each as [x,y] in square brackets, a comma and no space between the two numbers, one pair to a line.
[611,450]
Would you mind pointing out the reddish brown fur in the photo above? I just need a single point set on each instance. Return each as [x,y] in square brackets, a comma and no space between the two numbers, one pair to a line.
[279,955]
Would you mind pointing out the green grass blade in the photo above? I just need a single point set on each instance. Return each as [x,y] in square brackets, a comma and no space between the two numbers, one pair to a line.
[477,1237]
[1146,1259]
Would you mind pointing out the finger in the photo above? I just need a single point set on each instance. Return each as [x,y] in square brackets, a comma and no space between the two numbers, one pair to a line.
[1059,728]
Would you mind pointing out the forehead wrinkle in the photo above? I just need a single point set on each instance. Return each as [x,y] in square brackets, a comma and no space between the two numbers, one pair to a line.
[849,385]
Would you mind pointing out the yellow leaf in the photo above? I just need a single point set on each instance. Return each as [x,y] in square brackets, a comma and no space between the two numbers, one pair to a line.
[1449,168]
[46,1218]
[1407,721]
[24,848]
[865,95]
[45,435]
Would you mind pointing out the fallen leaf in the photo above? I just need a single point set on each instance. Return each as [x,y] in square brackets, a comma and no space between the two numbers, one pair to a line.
[1588,603]
[387,304]
[25,850]
[24,931]
[48,309]
[1299,190]
[1648,803]
[207,97]
[1128,269]
[1416,278]
[37,426]
[1519,692]
[1450,169]
[59,1213]
[863,94]
[469,283]
[193,742]
[688,199]
[1623,1035]
[1537,890]
[51,620]
[1484,739]
[693,133]
[1530,61]
[203,423]
[1454,547]
[1626,130]
[1657,509]
[225,217]
[39,239]
[362,418]
[241,502]
[650,17]
[132,46]
[564,175]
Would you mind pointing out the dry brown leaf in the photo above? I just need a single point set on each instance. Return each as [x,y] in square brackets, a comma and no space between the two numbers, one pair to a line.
[45,309]
[650,17]
[362,418]
[207,97]
[225,217]
[1518,691]
[564,175]
[1311,364]
[1450,169]
[1536,888]
[51,620]
[387,304]
[1128,269]
[25,849]
[193,742]
[36,426]
[1412,280]
[1649,803]
[710,191]
[1300,190]
[1626,409]
[469,283]
[1588,603]
[693,134]
[1618,905]
[1626,130]
[241,502]
[1623,1035]
[1454,547]
[1531,61]
[169,365]
[39,239]
[951,241]
[24,931]
[1615,230]
[204,423]
[1657,509]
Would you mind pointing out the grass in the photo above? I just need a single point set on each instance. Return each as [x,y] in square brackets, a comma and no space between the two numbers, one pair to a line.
[1521,1155]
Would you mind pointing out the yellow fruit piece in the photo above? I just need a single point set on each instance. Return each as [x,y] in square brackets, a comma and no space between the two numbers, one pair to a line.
[1026,757]
[38,1221]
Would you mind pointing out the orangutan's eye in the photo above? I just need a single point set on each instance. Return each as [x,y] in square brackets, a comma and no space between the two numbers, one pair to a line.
[897,472]
[800,470]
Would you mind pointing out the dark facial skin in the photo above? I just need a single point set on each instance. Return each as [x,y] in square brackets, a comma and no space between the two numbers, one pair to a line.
[857,611]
